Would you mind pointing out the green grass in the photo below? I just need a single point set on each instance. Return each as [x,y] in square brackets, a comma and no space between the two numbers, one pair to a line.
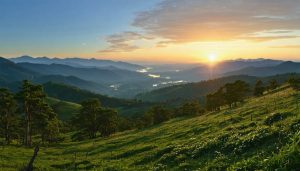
[65,110]
[225,140]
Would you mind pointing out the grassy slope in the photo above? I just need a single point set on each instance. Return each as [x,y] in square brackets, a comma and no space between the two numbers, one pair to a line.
[65,110]
[224,140]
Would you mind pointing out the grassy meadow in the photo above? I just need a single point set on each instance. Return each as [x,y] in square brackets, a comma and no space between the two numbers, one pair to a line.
[260,134]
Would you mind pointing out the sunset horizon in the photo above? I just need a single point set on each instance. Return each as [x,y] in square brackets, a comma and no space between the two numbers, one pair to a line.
[159,31]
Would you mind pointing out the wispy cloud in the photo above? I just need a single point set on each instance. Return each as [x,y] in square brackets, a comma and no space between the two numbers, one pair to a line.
[123,42]
[287,47]
[218,20]
[267,38]
[186,21]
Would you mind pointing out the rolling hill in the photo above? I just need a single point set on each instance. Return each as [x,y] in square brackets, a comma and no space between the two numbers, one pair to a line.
[10,72]
[260,134]
[74,81]
[97,75]
[179,93]
[72,94]
[65,110]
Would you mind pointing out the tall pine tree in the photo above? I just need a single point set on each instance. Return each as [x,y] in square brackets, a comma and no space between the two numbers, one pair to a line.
[8,119]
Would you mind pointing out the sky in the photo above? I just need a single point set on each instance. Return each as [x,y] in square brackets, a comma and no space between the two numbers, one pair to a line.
[180,31]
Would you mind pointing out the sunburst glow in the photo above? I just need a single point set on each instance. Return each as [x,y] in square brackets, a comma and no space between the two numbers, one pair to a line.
[212,57]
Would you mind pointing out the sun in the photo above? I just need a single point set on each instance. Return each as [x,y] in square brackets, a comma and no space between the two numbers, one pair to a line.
[212,57]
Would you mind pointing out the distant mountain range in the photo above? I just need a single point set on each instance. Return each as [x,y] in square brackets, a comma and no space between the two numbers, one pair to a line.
[204,72]
[126,80]
[108,80]
[285,67]
[77,62]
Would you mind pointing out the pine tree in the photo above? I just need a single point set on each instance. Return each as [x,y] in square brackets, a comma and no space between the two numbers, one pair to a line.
[189,109]
[160,114]
[108,122]
[36,112]
[259,88]
[87,119]
[273,84]
[9,121]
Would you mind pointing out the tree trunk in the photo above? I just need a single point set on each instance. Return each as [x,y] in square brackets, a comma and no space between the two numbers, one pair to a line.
[30,132]
[30,164]
[28,141]
[7,139]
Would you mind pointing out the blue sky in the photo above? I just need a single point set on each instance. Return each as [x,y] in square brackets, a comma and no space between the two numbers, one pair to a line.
[61,26]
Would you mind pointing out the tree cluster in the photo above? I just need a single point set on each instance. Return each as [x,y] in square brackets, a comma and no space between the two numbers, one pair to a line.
[26,114]
[93,119]
[159,113]
[294,83]
[229,94]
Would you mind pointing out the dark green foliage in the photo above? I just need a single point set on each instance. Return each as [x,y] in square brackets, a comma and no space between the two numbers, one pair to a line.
[288,158]
[214,101]
[191,91]
[160,114]
[38,115]
[9,121]
[259,88]
[273,84]
[212,141]
[230,94]
[88,118]
[93,119]
[235,92]
[125,123]
[180,93]
[65,110]
[294,82]
[147,119]
[192,108]
[76,95]
[108,122]
[275,117]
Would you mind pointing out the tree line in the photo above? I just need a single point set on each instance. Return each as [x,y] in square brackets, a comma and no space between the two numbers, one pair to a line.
[26,114]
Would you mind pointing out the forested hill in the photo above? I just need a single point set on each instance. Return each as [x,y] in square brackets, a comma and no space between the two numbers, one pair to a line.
[68,93]
[260,134]
[180,93]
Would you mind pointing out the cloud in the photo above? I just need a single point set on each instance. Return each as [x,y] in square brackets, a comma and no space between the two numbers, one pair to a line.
[267,38]
[287,47]
[180,21]
[123,42]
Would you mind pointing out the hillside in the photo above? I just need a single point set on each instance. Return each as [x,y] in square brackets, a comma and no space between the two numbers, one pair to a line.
[10,72]
[65,110]
[76,95]
[225,140]
[179,93]
[98,75]
[74,81]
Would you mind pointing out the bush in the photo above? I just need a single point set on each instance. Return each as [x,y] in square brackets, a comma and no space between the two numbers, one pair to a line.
[275,117]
